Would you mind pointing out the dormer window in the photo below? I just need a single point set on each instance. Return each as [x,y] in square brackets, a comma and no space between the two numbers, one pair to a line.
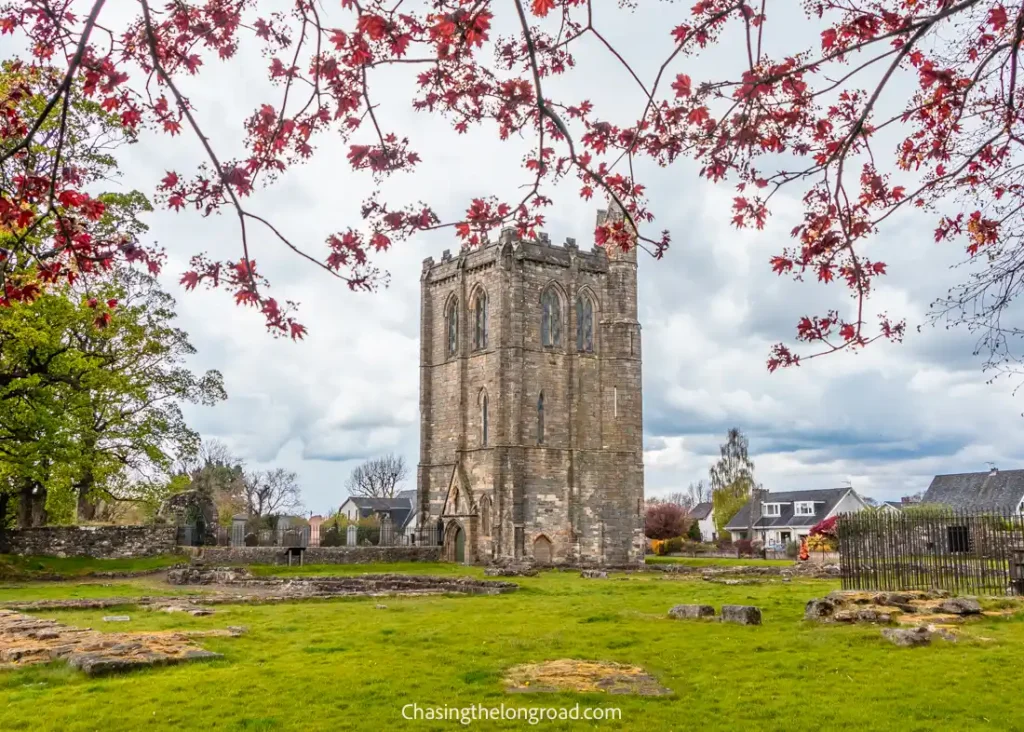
[804,508]
[772,509]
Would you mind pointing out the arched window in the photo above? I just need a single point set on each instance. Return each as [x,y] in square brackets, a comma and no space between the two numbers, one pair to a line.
[485,516]
[584,324]
[480,320]
[452,317]
[550,318]
[483,417]
[540,419]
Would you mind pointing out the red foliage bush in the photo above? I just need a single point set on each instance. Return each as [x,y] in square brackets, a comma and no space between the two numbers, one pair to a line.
[826,527]
[665,521]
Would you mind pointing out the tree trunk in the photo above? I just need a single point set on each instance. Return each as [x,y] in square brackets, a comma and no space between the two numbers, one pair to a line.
[32,505]
[86,506]
[5,502]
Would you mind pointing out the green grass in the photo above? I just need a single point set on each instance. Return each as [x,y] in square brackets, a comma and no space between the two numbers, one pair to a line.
[343,664]
[719,562]
[14,567]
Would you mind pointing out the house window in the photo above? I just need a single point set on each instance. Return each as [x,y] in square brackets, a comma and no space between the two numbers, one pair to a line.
[540,419]
[584,325]
[480,320]
[772,509]
[804,508]
[551,318]
[452,317]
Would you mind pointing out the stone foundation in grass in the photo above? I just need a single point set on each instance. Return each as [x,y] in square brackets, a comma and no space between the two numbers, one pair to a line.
[26,640]
[569,674]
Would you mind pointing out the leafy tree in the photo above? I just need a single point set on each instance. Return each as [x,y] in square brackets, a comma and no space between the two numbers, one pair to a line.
[378,477]
[732,479]
[939,79]
[664,521]
[90,405]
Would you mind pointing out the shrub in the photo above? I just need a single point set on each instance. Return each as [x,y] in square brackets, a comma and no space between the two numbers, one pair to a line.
[664,521]
[821,543]
[744,547]
[332,537]
[724,544]
[694,547]
[825,527]
[693,533]
[659,547]
[792,549]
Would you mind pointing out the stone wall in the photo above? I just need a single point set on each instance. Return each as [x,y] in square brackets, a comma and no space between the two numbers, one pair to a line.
[316,555]
[98,542]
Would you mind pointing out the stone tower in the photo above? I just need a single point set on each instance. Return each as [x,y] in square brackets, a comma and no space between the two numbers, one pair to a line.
[531,425]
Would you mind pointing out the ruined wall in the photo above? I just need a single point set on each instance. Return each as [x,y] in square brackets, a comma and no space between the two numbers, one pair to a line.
[315,555]
[98,542]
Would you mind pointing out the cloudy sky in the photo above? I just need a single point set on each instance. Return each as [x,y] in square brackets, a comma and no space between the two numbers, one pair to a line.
[887,419]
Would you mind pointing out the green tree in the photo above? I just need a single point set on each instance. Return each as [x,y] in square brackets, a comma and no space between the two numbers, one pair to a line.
[732,479]
[91,385]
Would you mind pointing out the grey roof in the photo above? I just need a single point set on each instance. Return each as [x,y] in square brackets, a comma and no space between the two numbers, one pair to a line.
[895,504]
[824,502]
[1000,490]
[701,511]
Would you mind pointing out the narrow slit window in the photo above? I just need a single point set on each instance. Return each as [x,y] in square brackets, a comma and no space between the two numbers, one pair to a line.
[540,419]
[483,419]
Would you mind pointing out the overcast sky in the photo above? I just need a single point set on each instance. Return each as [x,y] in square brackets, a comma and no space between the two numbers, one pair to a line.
[887,419]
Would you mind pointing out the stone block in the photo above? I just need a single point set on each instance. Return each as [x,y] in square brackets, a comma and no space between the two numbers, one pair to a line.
[741,614]
[681,612]
[594,574]
[907,637]
[819,609]
[959,606]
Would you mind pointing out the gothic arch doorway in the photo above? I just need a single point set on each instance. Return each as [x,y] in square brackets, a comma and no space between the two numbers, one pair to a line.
[542,550]
[455,543]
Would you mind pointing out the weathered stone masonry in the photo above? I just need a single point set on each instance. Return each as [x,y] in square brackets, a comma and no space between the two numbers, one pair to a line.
[100,542]
[574,493]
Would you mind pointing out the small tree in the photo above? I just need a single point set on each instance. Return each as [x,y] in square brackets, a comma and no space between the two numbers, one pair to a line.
[664,521]
[272,492]
[379,477]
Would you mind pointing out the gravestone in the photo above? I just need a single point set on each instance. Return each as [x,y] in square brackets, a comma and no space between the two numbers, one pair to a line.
[353,535]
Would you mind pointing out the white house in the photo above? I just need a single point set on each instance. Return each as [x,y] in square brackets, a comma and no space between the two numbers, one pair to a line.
[704,515]
[401,509]
[789,516]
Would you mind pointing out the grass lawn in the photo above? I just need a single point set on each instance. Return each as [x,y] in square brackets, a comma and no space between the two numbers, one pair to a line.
[18,568]
[343,664]
[718,562]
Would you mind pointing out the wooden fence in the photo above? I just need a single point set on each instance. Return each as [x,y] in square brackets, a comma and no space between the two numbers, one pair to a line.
[964,553]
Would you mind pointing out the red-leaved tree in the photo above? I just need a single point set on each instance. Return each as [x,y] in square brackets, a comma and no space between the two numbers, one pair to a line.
[940,75]
[665,521]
